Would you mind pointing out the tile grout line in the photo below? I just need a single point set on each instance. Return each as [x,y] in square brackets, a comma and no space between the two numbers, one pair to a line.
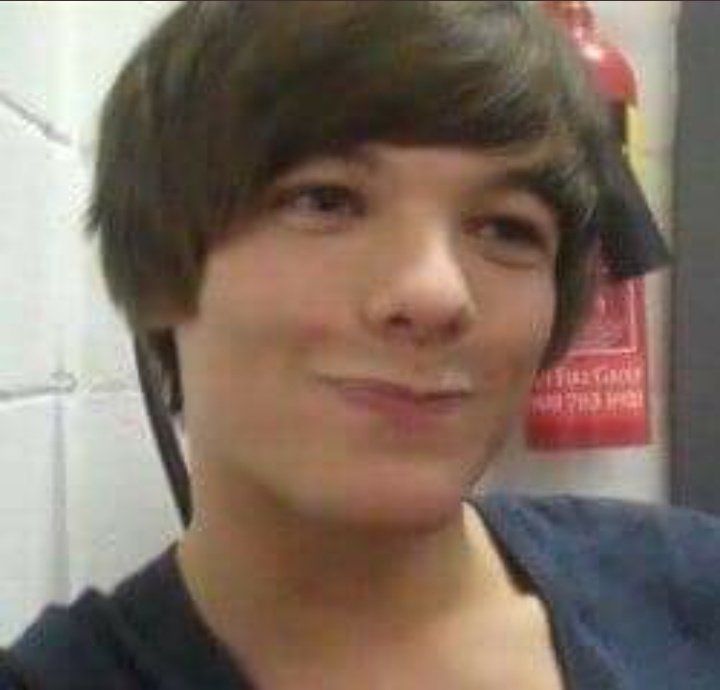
[39,123]
[60,383]
[62,575]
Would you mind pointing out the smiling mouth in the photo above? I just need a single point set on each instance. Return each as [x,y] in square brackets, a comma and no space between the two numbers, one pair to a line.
[400,392]
[400,405]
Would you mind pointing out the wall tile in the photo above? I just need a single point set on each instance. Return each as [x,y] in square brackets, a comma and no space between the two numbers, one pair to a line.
[32,547]
[33,206]
[119,504]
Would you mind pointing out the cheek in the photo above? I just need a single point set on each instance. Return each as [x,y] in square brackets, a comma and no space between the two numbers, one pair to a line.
[280,306]
[541,317]
[535,304]
[522,330]
[317,321]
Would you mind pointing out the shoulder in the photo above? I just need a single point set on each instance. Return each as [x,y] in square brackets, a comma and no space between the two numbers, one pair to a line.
[668,547]
[66,644]
[610,556]
[71,646]
[608,525]
[146,633]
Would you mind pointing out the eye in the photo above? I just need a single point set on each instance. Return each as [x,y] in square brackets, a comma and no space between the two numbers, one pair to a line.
[514,231]
[512,239]
[321,200]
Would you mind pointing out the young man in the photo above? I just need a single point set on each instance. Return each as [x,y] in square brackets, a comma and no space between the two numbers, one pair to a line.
[353,232]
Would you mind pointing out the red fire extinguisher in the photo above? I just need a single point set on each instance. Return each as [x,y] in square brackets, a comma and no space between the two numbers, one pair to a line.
[597,396]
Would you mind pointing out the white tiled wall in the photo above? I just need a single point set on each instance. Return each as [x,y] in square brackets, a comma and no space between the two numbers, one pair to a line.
[82,496]
[120,506]
[30,174]
[32,537]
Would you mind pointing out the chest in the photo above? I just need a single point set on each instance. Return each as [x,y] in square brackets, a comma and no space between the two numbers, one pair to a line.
[510,649]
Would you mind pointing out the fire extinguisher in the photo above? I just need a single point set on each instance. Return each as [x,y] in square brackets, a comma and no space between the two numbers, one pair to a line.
[597,396]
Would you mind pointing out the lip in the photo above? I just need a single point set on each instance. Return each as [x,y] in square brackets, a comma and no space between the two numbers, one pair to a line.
[403,406]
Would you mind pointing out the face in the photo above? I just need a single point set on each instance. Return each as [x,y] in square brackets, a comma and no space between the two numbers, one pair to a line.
[370,332]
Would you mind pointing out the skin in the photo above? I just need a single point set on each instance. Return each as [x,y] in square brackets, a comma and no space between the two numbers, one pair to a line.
[399,263]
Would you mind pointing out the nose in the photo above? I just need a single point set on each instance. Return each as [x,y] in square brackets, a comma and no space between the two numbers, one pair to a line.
[422,295]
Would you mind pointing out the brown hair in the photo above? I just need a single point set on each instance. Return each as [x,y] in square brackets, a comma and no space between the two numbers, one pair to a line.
[222,96]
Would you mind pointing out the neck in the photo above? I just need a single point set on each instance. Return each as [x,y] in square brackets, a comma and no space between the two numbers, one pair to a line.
[254,568]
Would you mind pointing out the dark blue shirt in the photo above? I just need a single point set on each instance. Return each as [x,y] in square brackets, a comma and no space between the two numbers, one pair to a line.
[632,590]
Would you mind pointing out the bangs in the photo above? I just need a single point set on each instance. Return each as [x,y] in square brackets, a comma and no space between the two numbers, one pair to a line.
[337,75]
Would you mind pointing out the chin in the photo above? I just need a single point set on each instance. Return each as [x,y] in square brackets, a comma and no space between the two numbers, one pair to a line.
[397,502]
